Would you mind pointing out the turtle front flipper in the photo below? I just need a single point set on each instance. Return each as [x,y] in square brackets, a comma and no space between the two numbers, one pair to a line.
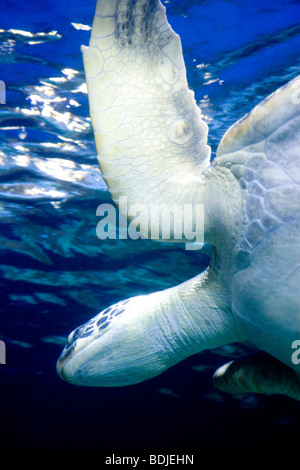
[258,373]
[151,141]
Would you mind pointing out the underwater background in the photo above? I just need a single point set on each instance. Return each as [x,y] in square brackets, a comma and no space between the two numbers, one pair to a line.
[55,274]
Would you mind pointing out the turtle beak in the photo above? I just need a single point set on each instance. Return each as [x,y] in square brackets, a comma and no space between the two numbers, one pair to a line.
[63,359]
[68,351]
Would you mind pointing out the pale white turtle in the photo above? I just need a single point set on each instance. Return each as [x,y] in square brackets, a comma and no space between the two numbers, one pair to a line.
[152,148]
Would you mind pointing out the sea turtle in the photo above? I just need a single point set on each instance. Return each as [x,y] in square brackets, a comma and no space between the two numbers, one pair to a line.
[152,148]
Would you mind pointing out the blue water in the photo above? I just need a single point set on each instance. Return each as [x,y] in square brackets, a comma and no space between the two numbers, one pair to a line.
[56,274]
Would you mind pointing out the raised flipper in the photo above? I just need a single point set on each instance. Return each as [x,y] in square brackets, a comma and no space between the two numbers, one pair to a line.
[151,141]
[258,373]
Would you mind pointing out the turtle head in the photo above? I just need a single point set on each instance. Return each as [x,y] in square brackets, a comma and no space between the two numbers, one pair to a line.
[120,346]
[141,337]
